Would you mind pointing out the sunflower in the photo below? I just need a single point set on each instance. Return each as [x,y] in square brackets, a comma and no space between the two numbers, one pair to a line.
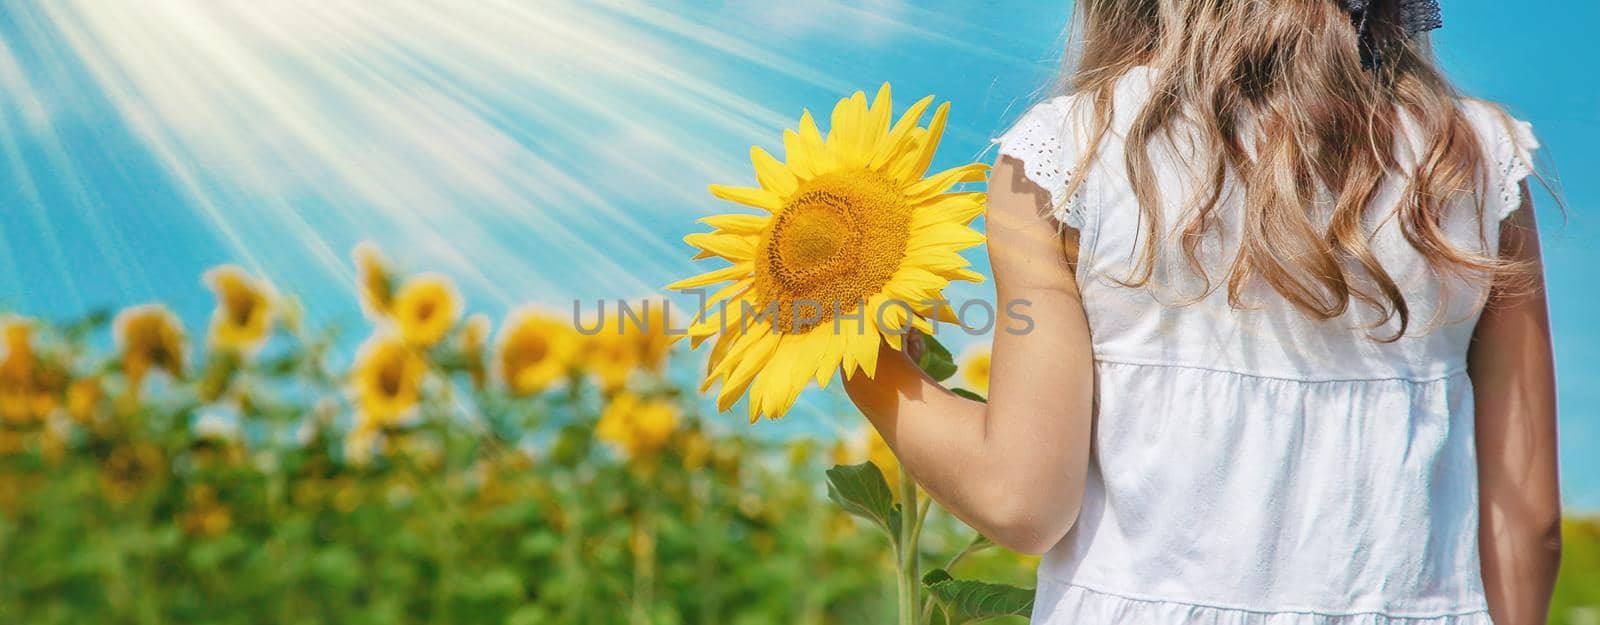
[975,370]
[129,469]
[205,515]
[536,350]
[386,381]
[425,308]
[639,427]
[149,337]
[652,336]
[243,317]
[374,280]
[83,399]
[26,392]
[853,249]
[16,348]
[623,343]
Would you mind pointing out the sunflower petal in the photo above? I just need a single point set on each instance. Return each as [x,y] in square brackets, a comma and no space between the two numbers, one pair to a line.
[738,223]
[771,174]
[799,155]
[748,196]
[960,208]
[894,143]
[935,131]
[734,247]
[848,130]
[878,116]
[733,272]
[927,188]
[748,364]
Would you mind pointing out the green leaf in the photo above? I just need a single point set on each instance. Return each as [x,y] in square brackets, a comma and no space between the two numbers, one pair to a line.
[862,490]
[936,360]
[968,601]
[969,395]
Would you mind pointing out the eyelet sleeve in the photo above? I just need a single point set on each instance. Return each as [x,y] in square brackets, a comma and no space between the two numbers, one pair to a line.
[1036,140]
[1509,144]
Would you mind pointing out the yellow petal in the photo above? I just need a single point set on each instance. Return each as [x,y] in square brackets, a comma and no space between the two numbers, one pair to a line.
[734,247]
[845,135]
[771,174]
[749,362]
[832,356]
[752,197]
[927,188]
[734,272]
[738,223]
[895,142]
[878,117]
[799,155]
[941,235]
[935,131]
[821,157]
[960,208]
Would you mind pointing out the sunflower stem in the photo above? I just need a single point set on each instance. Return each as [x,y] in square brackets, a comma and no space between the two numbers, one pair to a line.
[910,530]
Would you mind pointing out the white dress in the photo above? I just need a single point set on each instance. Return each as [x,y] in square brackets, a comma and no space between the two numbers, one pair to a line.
[1256,466]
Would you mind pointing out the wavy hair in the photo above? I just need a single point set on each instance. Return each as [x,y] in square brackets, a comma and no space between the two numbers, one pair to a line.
[1322,129]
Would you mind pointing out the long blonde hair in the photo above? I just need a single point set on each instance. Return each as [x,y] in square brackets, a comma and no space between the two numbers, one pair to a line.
[1323,122]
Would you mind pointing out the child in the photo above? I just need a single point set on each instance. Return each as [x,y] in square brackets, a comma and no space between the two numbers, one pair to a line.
[1292,365]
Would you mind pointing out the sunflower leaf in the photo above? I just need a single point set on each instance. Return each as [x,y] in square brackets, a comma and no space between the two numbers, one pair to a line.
[969,394]
[861,490]
[968,601]
[936,360]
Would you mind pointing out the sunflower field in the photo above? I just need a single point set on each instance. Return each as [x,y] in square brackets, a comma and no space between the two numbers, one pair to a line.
[455,471]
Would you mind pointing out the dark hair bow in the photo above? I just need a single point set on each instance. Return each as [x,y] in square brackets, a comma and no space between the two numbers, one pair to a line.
[1416,17]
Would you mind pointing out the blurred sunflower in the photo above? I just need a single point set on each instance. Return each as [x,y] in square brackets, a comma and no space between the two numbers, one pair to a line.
[425,308]
[637,426]
[623,344]
[205,516]
[129,469]
[535,351]
[473,335]
[386,380]
[27,388]
[854,233]
[149,337]
[975,369]
[652,337]
[374,280]
[83,399]
[243,317]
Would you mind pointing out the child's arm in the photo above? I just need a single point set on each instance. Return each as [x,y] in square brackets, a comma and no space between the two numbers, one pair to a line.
[1513,379]
[1012,468]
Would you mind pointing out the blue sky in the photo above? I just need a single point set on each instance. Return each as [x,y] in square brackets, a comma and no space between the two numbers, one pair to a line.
[559,151]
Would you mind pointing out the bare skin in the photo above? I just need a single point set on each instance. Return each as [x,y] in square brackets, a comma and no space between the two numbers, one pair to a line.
[1013,468]
[1513,380]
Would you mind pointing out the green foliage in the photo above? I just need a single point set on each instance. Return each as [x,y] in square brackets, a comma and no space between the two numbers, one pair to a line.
[936,360]
[861,490]
[969,395]
[966,601]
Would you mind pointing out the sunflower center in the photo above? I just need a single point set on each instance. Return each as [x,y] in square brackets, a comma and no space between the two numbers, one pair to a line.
[241,305]
[531,350]
[391,377]
[832,247]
